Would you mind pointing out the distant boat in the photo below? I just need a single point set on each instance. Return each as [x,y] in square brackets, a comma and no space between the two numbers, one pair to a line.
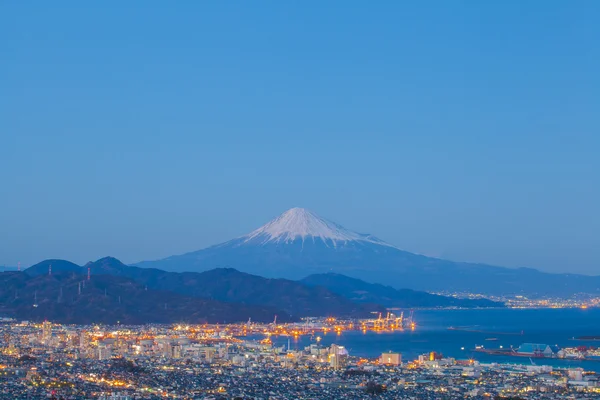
[492,338]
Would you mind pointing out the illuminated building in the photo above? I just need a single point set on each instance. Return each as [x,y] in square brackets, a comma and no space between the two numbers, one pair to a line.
[337,356]
[46,332]
[390,358]
[104,351]
[83,340]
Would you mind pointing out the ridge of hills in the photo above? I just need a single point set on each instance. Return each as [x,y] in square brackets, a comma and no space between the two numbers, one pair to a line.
[226,285]
[68,297]
[283,297]
[230,285]
[364,292]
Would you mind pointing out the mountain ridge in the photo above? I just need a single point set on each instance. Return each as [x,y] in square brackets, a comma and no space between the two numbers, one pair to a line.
[360,291]
[298,243]
[229,285]
[68,297]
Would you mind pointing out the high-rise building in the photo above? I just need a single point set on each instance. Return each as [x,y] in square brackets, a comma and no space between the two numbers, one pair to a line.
[83,340]
[177,351]
[104,351]
[390,358]
[46,332]
[337,356]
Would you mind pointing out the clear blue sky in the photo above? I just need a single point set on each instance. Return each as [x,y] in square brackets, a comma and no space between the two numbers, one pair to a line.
[468,130]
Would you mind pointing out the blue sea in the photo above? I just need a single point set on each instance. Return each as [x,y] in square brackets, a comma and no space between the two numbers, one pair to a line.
[510,327]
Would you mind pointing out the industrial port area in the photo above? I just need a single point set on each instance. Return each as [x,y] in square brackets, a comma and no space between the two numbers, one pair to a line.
[241,361]
[540,350]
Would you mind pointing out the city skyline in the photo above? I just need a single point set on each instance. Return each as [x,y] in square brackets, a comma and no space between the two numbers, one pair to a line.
[461,131]
[288,200]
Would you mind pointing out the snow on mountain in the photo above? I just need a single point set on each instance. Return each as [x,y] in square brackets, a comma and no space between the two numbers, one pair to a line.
[299,243]
[299,223]
[293,245]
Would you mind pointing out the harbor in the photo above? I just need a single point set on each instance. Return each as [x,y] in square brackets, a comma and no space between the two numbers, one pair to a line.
[536,350]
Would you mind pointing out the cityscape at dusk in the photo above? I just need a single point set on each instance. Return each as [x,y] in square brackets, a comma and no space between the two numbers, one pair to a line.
[292,200]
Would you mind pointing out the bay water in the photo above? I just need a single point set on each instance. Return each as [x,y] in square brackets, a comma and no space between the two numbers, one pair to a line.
[490,328]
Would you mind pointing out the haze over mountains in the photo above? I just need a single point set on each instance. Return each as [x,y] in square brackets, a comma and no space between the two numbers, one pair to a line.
[299,243]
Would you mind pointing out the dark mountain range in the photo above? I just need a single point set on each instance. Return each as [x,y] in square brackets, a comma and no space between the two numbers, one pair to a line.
[54,266]
[68,297]
[361,291]
[229,285]
[226,284]
[299,243]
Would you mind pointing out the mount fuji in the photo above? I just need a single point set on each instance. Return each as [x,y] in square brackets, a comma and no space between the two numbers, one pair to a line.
[301,225]
[299,243]
[295,244]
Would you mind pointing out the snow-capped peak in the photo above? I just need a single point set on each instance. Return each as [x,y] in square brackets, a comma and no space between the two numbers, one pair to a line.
[299,223]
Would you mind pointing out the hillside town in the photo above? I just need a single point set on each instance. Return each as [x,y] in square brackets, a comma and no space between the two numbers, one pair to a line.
[45,360]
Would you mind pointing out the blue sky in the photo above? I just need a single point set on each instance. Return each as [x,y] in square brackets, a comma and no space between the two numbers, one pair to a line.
[467,130]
